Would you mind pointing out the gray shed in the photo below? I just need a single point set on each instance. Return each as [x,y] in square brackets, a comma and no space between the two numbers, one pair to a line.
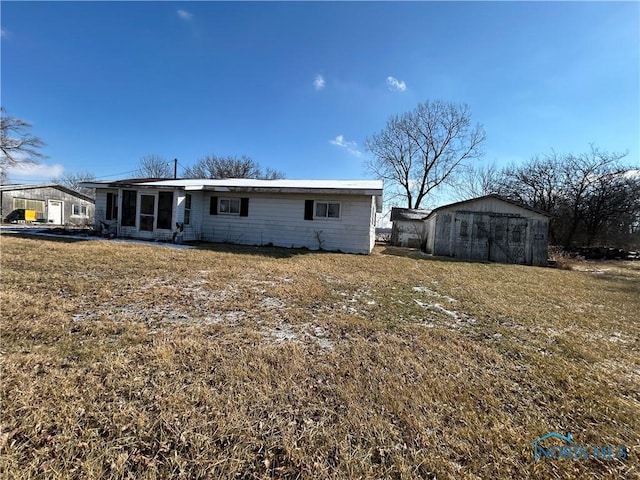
[53,203]
[489,228]
[408,227]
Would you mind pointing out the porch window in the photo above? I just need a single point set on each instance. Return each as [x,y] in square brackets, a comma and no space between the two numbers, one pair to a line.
[112,206]
[129,204]
[187,209]
[165,210]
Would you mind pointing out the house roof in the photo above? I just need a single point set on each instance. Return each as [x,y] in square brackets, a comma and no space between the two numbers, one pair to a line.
[336,187]
[497,197]
[70,191]
[408,214]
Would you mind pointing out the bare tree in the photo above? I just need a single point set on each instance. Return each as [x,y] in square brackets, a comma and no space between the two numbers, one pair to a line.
[418,151]
[590,196]
[538,183]
[272,174]
[582,175]
[230,167]
[612,208]
[477,181]
[18,145]
[155,166]
[73,181]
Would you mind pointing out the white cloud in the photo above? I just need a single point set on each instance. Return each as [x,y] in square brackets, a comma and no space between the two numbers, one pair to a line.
[396,85]
[36,171]
[184,15]
[319,82]
[352,147]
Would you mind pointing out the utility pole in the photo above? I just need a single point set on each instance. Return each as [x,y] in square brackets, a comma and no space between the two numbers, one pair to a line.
[175,168]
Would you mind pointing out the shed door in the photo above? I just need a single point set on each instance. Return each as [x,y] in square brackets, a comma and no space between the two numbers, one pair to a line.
[55,212]
[517,238]
[481,237]
[499,248]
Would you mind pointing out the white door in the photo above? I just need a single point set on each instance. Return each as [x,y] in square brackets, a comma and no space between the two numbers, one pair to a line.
[55,212]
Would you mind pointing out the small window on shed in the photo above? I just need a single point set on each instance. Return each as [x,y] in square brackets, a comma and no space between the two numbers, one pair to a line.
[499,235]
[464,228]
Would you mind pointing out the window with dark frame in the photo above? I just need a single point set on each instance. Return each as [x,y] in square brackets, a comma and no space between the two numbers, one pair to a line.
[165,210]
[187,209]
[129,204]
[112,206]
[327,210]
[229,206]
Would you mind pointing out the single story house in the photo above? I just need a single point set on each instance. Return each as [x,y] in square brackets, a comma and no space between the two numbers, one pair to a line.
[408,228]
[337,215]
[48,203]
[490,228]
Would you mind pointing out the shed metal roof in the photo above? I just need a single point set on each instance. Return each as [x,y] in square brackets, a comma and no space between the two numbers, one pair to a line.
[408,214]
[497,197]
[70,191]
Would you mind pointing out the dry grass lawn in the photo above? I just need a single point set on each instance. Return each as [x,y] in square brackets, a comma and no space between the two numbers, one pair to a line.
[139,361]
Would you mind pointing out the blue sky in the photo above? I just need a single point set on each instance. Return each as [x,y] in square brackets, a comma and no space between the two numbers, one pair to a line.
[299,86]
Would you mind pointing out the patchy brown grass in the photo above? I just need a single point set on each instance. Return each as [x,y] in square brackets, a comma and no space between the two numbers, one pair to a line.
[134,361]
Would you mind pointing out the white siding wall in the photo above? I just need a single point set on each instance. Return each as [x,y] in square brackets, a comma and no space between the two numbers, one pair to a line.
[372,227]
[279,220]
[101,208]
[409,233]
[193,231]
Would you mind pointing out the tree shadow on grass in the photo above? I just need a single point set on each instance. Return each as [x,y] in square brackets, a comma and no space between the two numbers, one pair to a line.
[259,250]
[418,254]
[47,237]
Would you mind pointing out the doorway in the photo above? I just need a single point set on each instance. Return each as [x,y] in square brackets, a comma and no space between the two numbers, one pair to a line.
[55,212]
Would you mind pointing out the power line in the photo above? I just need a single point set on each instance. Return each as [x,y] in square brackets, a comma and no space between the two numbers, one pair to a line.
[116,174]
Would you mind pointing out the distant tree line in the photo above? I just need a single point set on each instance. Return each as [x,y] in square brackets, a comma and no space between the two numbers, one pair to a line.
[211,166]
[593,197]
